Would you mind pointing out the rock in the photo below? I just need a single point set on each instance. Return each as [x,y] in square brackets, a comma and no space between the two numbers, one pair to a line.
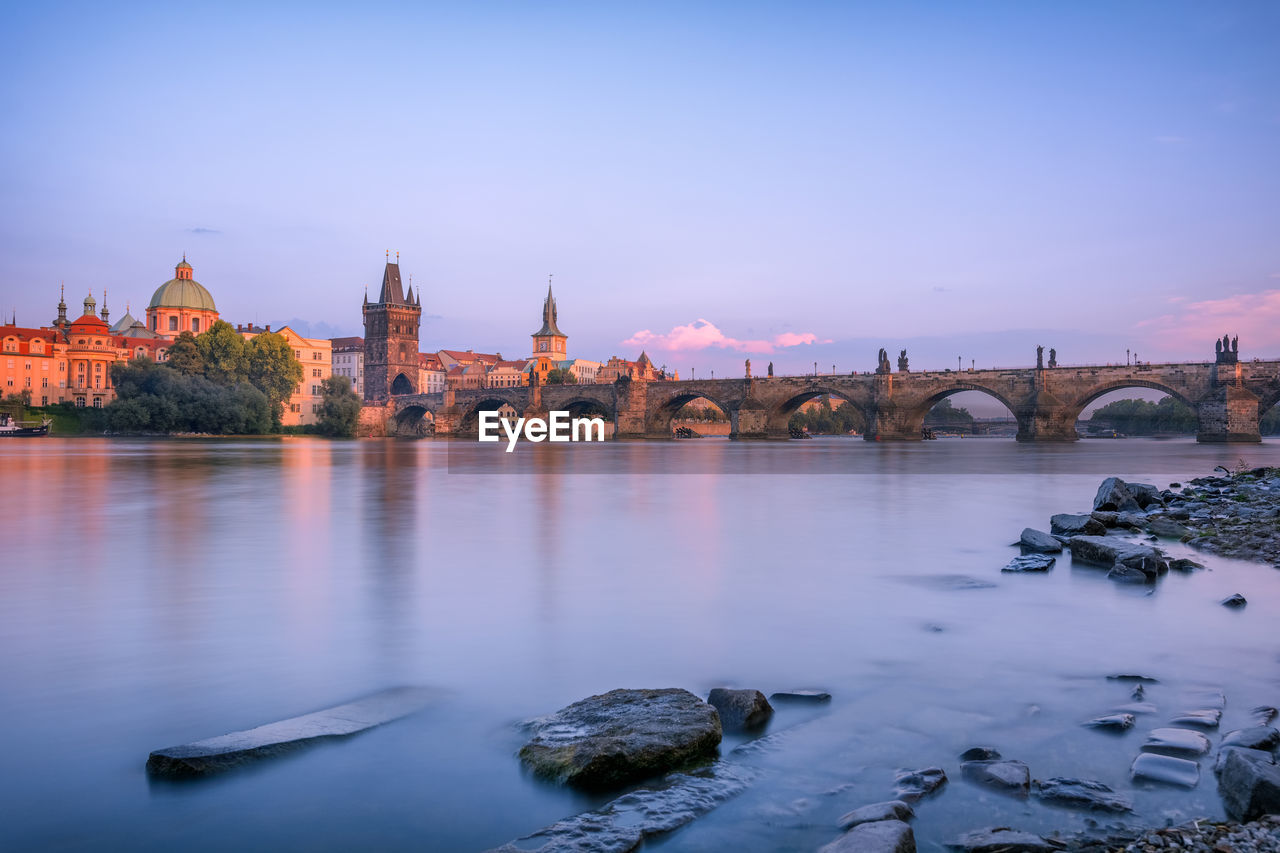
[1108,519]
[1249,789]
[1236,600]
[1210,699]
[912,785]
[623,824]
[1206,719]
[1083,794]
[226,751]
[1068,524]
[1140,679]
[814,697]
[1170,741]
[1145,494]
[1106,551]
[1114,495]
[1002,839]
[1035,540]
[1139,692]
[1252,754]
[622,736]
[740,709]
[1167,529]
[890,810]
[1254,737]
[1121,573]
[1264,714]
[1030,563]
[1182,564]
[883,836]
[1165,768]
[1137,708]
[1009,777]
[980,753]
[1115,722]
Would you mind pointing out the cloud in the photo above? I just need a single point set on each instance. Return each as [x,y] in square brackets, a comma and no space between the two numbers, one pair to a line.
[200,230]
[702,334]
[1255,317]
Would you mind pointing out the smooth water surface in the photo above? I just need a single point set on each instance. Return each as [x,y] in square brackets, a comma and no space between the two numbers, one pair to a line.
[154,592]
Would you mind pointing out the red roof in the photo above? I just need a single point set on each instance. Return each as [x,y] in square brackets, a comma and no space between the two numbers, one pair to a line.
[429,361]
[26,336]
[460,355]
[346,343]
[90,324]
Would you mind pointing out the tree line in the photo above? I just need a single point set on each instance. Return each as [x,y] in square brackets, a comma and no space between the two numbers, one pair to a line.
[219,383]
[1142,417]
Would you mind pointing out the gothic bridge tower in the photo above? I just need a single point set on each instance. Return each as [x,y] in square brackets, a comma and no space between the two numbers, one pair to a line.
[391,338]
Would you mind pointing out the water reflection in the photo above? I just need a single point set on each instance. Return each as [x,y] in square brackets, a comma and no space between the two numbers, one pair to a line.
[162,591]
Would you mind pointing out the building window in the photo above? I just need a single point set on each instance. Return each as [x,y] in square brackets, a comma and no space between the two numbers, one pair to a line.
[97,402]
[155,322]
[44,401]
[28,381]
[315,371]
[80,402]
[195,325]
[44,383]
[173,324]
[315,356]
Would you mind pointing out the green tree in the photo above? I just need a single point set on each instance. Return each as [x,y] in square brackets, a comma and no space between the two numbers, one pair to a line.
[824,419]
[560,376]
[184,355]
[1141,417]
[154,399]
[945,414]
[339,408]
[223,351]
[273,369]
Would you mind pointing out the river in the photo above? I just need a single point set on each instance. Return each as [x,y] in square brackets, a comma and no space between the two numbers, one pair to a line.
[154,592]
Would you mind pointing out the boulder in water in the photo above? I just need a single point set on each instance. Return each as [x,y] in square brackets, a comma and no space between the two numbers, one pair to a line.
[1249,789]
[740,709]
[1009,777]
[623,736]
[1166,769]
[1254,737]
[1002,839]
[1171,741]
[1030,563]
[1039,541]
[890,810]
[882,836]
[1069,524]
[1083,794]
[911,785]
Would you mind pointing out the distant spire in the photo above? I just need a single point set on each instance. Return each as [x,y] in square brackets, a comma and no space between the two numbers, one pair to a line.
[104,305]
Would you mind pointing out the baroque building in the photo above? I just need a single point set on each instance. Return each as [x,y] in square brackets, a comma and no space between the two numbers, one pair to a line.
[181,304]
[391,338]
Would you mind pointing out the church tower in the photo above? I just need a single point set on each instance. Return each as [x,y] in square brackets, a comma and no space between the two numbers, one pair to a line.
[391,338]
[549,341]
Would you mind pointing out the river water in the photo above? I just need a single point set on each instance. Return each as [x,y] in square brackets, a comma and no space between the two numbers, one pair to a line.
[154,592]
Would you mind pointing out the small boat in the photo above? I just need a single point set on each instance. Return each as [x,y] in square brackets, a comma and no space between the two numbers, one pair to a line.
[22,429]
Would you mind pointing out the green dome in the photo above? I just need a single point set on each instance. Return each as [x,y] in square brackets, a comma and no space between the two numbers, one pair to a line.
[182,293]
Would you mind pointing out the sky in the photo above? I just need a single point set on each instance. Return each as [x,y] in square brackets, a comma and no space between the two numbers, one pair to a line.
[797,183]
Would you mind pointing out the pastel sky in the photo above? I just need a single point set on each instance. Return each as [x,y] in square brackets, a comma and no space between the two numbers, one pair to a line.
[793,182]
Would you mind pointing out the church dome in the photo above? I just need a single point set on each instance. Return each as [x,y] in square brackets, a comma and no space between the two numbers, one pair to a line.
[182,291]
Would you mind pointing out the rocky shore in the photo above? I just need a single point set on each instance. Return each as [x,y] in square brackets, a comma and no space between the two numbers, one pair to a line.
[663,745]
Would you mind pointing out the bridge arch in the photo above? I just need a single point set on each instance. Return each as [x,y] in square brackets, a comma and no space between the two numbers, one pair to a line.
[1082,402]
[661,416]
[412,421]
[903,418]
[470,422]
[779,419]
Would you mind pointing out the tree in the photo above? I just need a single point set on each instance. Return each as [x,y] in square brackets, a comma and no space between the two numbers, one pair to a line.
[184,355]
[945,414]
[155,399]
[560,376]
[273,369]
[223,351]
[339,408]
[1141,417]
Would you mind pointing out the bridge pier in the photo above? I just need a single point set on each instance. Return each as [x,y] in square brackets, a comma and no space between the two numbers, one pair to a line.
[1230,415]
[1046,418]
[750,422]
[891,422]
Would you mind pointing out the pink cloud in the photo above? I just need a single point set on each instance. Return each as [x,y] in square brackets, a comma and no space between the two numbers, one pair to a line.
[1255,317]
[702,334]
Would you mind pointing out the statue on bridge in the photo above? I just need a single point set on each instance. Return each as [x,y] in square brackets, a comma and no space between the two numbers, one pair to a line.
[771,370]
[1227,349]
[748,368]
[1053,357]
[1039,358]
[902,361]
[882,359]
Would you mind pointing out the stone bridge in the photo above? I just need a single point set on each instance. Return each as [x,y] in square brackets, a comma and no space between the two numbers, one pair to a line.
[1228,397]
